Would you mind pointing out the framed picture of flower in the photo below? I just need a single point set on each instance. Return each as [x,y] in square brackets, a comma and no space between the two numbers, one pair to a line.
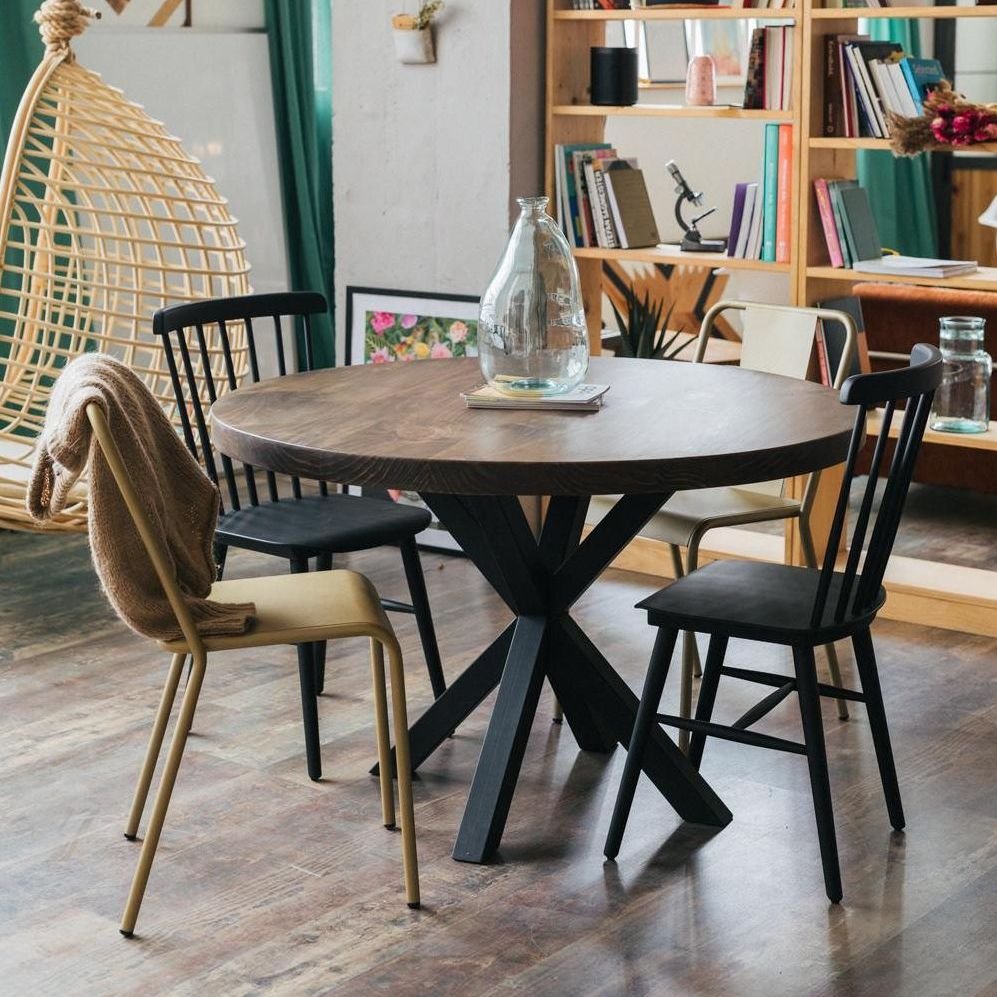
[404,326]
[385,326]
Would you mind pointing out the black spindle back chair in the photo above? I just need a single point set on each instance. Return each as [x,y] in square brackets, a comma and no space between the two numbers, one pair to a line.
[802,608]
[203,342]
[196,385]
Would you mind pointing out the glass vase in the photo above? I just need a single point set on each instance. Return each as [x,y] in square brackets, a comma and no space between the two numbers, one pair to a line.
[962,402]
[532,335]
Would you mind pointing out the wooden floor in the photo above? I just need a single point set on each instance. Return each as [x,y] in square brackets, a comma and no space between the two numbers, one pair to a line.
[267,883]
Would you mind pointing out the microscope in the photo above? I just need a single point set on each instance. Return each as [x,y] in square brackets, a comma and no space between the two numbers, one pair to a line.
[692,241]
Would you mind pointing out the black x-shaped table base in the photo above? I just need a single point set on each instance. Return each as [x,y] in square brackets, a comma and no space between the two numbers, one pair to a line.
[540,580]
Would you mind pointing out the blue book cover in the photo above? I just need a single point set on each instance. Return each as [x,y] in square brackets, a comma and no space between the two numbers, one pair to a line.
[736,216]
[922,75]
[770,191]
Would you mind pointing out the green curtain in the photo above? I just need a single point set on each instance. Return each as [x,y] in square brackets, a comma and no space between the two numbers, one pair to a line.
[900,190]
[21,50]
[300,36]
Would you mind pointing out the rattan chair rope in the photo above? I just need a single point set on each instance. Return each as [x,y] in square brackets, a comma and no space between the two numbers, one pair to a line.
[104,219]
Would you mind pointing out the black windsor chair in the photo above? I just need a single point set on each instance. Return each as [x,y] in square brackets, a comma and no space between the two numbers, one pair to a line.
[318,525]
[799,607]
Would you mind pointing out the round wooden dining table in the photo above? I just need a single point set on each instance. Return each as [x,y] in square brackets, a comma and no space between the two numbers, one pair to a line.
[664,426]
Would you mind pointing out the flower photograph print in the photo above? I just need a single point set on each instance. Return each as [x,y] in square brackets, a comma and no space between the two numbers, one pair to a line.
[404,326]
[384,326]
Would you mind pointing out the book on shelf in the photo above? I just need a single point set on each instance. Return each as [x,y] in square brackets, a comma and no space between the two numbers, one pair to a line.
[865,81]
[582,398]
[830,207]
[835,335]
[600,5]
[860,226]
[916,266]
[763,210]
[769,78]
[602,198]
[567,190]
[770,191]
[850,232]
[630,207]
[784,191]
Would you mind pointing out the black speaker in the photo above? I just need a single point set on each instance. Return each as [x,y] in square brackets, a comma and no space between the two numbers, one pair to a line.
[613,75]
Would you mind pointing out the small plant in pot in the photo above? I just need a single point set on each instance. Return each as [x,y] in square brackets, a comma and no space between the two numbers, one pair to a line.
[644,331]
[414,34]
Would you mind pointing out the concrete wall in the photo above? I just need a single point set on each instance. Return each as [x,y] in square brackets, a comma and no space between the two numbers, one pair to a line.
[427,159]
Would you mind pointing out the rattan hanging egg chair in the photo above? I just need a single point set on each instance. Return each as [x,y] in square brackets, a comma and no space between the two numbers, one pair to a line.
[104,219]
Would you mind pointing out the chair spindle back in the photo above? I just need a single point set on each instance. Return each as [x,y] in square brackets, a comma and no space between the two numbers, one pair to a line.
[916,385]
[193,334]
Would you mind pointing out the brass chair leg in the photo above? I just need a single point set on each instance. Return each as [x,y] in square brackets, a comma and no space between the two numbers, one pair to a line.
[155,744]
[162,802]
[383,735]
[810,559]
[405,805]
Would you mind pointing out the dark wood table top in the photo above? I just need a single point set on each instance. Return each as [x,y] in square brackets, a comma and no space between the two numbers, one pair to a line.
[664,426]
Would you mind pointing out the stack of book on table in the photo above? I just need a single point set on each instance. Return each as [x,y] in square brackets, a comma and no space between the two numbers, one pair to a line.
[853,241]
[769,80]
[582,398]
[602,198]
[865,80]
[761,218]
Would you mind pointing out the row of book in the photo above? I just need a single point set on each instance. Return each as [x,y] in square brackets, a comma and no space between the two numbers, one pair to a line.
[865,80]
[601,198]
[856,4]
[600,5]
[846,217]
[768,84]
[761,218]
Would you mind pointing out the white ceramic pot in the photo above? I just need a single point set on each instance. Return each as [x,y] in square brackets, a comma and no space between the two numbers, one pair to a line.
[414,47]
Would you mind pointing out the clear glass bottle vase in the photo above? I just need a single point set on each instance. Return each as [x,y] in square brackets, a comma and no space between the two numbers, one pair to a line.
[962,401]
[532,335]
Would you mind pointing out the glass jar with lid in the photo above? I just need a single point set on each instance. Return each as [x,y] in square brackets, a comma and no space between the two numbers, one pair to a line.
[962,402]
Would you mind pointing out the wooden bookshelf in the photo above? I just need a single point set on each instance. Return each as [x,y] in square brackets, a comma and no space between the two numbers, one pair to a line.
[679,12]
[670,253]
[837,142]
[667,111]
[939,594]
[853,13]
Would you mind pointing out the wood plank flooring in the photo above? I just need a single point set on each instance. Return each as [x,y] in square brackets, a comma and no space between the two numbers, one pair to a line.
[266,883]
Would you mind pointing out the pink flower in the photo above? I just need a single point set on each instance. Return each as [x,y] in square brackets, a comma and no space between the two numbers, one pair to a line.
[964,124]
[409,320]
[406,357]
[382,355]
[381,321]
[457,332]
[439,352]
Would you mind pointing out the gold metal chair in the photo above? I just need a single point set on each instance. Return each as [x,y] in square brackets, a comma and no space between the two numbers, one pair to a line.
[291,609]
[776,339]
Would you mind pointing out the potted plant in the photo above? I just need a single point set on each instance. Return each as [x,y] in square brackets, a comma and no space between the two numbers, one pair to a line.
[414,34]
[644,333]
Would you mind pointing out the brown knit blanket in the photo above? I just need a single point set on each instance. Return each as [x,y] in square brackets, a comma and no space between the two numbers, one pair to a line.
[180,501]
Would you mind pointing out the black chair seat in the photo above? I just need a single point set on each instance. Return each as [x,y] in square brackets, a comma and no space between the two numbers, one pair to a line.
[320,524]
[756,601]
